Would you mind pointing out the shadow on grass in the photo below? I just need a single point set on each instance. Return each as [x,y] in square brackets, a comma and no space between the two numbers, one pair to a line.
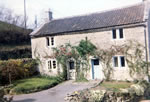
[25,100]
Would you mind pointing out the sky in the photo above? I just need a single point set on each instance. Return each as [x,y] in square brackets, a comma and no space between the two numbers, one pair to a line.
[62,8]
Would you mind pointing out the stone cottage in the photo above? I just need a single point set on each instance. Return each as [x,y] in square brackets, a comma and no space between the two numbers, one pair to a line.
[102,29]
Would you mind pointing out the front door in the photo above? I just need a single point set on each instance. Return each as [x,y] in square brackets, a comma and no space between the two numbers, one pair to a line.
[96,69]
[71,70]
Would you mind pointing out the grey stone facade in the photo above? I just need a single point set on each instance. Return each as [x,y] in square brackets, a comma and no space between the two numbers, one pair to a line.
[101,37]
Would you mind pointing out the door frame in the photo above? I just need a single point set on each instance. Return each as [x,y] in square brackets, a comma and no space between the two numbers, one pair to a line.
[92,64]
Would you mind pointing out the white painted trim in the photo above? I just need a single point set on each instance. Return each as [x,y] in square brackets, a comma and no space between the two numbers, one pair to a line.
[117,34]
[119,62]
[51,64]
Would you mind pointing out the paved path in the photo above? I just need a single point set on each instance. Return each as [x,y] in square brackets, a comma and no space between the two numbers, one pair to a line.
[55,94]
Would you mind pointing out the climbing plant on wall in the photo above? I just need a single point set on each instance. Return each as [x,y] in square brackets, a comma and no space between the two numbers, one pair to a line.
[79,53]
[132,50]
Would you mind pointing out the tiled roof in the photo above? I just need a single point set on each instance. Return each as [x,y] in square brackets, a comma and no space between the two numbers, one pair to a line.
[122,16]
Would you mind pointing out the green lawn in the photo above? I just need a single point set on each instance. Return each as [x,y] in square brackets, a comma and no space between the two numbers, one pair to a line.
[34,84]
[115,85]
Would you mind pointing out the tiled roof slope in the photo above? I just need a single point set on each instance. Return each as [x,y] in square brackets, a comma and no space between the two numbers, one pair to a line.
[122,16]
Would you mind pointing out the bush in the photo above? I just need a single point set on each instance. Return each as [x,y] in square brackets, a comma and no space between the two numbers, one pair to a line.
[11,70]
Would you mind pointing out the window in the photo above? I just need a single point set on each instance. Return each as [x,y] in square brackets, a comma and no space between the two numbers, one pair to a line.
[47,41]
[122,61]
[119,61]
[117,33]
[96,61]
[114,33]
[71,64]
[52,64]
[115,61]
[49,65]
[121,33]
[52,41]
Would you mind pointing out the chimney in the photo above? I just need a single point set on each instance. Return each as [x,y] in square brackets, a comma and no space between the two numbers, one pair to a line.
[50,15]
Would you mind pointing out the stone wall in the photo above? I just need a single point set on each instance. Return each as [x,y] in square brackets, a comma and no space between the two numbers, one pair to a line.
[135,93]
[102,39]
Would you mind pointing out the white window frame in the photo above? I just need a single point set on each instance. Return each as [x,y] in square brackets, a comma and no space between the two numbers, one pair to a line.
[118,34]
[52,66]
[119,61]
[50,41]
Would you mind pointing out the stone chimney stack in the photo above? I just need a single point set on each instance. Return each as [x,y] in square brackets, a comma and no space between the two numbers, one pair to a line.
[50,15]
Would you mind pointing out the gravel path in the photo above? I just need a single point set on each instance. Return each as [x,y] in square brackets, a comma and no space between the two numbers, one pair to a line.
[55,94]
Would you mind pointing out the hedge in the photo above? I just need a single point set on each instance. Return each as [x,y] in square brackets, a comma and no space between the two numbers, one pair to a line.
[11,70]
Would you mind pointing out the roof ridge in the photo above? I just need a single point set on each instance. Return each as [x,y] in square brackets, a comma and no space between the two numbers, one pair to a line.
[98,12]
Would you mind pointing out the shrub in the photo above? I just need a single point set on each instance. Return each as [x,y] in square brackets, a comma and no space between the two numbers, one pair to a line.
[16,69]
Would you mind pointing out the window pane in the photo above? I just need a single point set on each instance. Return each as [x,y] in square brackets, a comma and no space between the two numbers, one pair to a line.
[47,41]
[49,65]
[96,62]
[115,61]
[114,33]
[121,33]
[54,64]
[71,65]
[52,41]
[122,61]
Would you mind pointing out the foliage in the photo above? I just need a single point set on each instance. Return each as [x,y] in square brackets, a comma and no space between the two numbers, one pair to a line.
[16,69]
[15,52]
[34,84]
[135,58]
[134,55]
[81,78]
[78,53]
[85,48]
[2,98]
[63,54]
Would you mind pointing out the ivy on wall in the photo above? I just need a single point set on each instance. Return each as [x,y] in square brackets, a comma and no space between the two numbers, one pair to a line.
[133,51]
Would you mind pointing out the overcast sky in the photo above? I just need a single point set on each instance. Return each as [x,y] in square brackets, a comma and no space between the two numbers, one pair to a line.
[62,8]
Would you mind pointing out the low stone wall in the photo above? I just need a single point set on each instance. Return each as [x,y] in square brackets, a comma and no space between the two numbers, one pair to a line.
[133,94]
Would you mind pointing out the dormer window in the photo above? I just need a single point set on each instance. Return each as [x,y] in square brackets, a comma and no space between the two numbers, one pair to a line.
[50,41]
[117,33]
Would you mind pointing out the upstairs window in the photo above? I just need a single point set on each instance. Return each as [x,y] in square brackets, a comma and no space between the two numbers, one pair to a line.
[114,33]
[117,33]
[50,41]
[121,33]
[47,41]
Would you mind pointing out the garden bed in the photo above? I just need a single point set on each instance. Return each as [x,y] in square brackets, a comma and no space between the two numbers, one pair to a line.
[33,84]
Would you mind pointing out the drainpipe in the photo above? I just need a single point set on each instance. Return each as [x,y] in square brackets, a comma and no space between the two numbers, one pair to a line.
[146,52]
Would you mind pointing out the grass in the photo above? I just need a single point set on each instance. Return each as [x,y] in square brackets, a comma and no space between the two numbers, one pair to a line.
[34,84]
[115,85]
